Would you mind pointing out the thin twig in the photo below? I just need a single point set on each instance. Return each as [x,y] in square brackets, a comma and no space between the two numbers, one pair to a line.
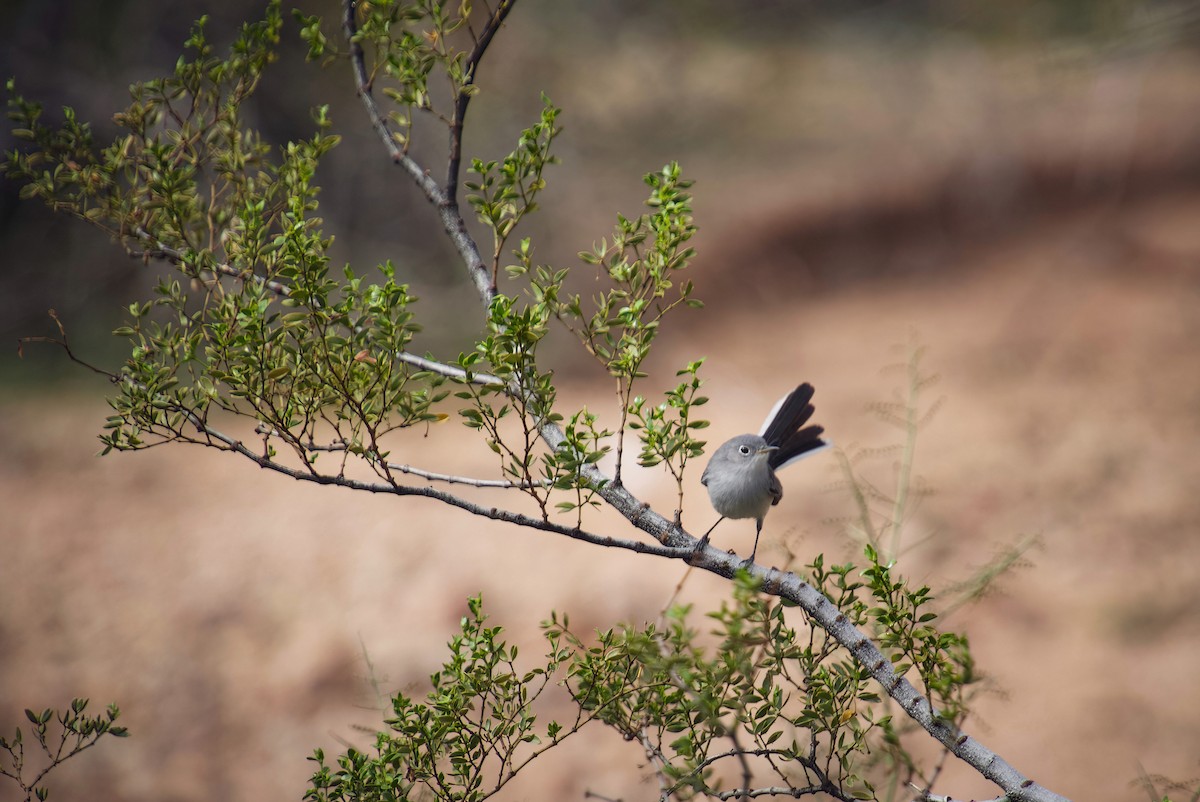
[743,761]
[450,371]
[937,769]
[495,20]
[342,446]
[656,759]
[593,795]
[904,479]
[770,791]
[161,250]
[467,480]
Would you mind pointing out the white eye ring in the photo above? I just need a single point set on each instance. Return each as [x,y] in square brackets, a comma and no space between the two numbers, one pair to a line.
[744,449]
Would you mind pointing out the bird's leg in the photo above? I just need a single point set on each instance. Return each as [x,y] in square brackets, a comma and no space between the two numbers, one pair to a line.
[704,540]
[757,532]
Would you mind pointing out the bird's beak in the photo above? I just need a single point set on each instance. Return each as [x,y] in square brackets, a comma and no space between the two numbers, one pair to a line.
[767,449]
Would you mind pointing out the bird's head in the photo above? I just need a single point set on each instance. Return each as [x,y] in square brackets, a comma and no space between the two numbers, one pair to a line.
[746,449]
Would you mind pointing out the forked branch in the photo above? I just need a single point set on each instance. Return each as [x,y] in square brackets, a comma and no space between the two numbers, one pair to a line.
[452,220]
[674,540]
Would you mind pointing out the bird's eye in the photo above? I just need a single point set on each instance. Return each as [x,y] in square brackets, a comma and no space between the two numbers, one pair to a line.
[744,449]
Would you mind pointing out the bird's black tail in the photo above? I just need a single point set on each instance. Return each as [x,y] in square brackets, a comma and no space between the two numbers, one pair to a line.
[783,429]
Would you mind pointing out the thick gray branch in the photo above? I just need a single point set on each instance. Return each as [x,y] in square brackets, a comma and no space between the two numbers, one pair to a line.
[925,796]
[1016,786]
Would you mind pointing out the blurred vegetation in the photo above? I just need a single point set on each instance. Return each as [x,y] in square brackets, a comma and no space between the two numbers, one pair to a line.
[85,54]
[56,736]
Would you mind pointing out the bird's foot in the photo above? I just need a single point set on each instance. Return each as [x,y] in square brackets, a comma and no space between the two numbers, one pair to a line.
[701,544]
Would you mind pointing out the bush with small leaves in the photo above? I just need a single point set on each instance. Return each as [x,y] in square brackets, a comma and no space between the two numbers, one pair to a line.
[60,736]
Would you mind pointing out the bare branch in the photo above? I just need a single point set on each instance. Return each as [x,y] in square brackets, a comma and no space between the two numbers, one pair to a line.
[341,446]
[659,764]
[593,795]
[743,761]
[745,793]
[450,371]
[465,480]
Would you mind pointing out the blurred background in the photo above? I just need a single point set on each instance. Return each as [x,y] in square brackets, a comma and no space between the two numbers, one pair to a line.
[1015,187]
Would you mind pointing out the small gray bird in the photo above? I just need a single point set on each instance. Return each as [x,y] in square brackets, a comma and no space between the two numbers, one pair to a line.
[740,475]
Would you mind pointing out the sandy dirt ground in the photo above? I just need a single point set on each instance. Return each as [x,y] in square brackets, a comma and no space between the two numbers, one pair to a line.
[228,610]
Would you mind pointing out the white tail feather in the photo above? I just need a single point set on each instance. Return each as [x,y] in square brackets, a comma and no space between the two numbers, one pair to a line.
[771,415]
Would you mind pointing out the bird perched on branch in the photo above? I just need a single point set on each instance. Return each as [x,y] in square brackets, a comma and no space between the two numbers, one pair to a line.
[740,475]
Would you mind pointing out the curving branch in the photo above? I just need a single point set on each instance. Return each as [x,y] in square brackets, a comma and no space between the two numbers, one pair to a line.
[433,476]
[675,541]
[215,439]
